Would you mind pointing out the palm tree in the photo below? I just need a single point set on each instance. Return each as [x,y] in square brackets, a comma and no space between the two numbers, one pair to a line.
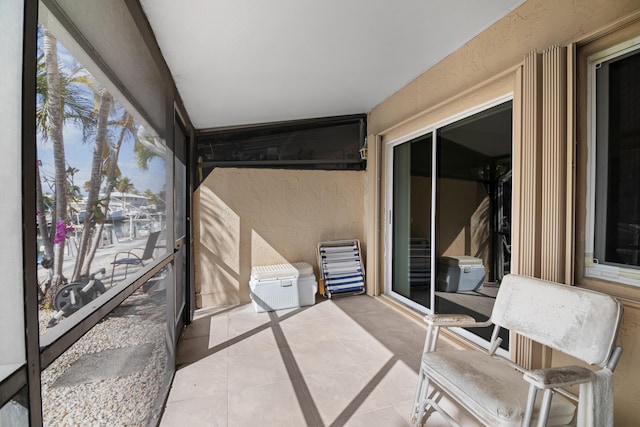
[124,185]
[58,101]
[55,133]
[151,196]
[128,130]
[93,212]
[145,151]
[41,209]
[73,192]
[63,96]
[148,148]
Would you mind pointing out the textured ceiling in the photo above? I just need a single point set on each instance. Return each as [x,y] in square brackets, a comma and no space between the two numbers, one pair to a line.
[248,61]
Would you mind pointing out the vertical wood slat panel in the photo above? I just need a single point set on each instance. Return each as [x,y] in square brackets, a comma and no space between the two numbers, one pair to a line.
[516,209]
[554,164]
[527,169]
[529,221]
[544,179]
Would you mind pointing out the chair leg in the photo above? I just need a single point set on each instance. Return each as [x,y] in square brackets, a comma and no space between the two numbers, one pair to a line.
[439,410]
[418,397]
[531,400]
[113,272]
[545,408]
[421,400]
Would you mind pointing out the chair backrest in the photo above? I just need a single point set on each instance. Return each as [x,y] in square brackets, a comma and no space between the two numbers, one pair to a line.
[573,320]
[152,240]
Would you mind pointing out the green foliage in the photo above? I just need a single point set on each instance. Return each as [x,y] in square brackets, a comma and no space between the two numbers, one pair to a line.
[78,108]
[124,185]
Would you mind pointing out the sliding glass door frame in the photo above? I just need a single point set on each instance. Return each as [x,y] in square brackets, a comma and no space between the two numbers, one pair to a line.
[389,211]
[389,218]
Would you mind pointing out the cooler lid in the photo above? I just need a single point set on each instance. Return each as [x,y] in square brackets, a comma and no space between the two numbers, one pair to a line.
[462,261]
[280,271]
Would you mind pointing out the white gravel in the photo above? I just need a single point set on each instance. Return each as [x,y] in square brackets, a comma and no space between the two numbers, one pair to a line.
[124,401]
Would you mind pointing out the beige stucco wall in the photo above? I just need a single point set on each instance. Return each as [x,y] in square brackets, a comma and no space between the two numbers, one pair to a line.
[249,217]
[535,25]
[486,67]
[464,228]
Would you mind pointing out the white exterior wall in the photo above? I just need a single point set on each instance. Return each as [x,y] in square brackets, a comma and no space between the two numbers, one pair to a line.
[12,347]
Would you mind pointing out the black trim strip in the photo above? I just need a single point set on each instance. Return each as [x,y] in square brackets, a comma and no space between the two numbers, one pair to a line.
[29,230]
[302,123]
[12,384]
[256,163]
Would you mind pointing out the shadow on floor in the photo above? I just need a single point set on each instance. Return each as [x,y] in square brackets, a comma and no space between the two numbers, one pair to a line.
[345,361]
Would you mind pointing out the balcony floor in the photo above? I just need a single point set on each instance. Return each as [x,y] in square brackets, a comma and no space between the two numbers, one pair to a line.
[349,361]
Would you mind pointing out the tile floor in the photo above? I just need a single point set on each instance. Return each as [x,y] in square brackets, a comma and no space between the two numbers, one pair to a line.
[349,361]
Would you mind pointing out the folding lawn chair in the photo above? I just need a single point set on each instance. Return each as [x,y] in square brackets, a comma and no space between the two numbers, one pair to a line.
[131,259]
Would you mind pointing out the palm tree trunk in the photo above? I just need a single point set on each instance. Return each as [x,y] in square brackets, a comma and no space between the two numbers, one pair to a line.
[96,178]
[91,251]
[47,241]
[55,134]
[110,184]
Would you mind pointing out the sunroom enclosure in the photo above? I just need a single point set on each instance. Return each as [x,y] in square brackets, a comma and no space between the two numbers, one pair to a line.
[541,58]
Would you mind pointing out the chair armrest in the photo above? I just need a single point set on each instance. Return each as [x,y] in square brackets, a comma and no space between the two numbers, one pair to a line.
[454,320]
[131,252]
[437,321]
[558,377]
[127,254]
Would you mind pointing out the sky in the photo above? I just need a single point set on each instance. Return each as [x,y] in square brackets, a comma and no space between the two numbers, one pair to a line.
[79,154]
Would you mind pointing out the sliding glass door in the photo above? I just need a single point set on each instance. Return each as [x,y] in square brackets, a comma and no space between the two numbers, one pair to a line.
[449,215]
[411,213]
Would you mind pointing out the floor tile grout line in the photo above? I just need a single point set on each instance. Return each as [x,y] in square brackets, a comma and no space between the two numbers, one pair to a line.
[295,376]
[357,401]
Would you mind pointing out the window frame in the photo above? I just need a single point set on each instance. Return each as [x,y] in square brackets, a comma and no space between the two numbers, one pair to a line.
[55,341]
[25,380]
[593,269]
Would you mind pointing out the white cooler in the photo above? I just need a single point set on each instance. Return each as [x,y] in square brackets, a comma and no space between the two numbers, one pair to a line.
[460,273]
[274,287]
